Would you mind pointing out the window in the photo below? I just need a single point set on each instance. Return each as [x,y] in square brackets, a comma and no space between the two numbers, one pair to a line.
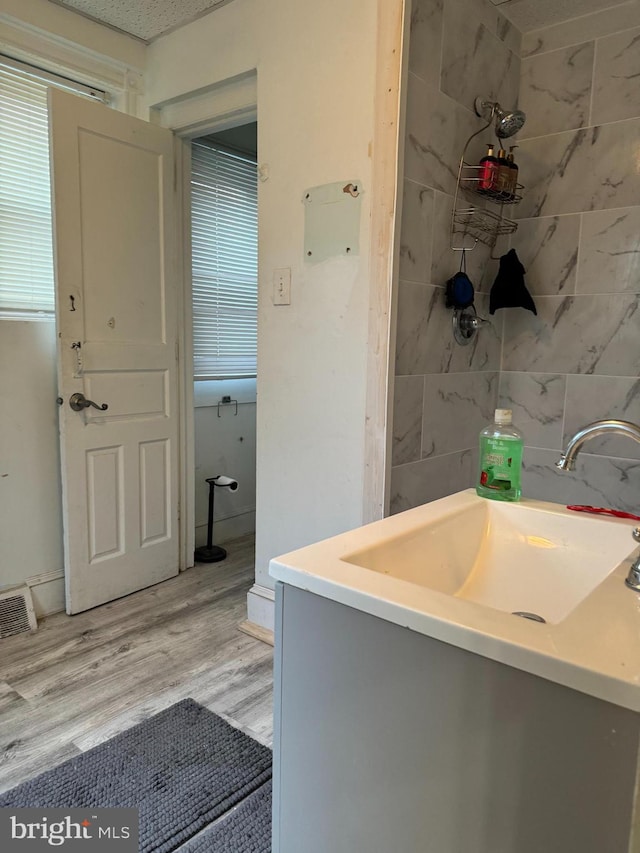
[224,223]
[26,254]
[26,244]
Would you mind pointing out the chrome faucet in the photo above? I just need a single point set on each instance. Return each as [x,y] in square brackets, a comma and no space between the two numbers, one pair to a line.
[567,462]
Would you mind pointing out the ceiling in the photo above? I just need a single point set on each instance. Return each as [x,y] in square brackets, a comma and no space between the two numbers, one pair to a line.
[144,19]
[532,14]
[148,19]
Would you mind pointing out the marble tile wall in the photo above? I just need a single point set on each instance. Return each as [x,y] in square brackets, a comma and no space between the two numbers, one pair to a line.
[579,239]
[444,394]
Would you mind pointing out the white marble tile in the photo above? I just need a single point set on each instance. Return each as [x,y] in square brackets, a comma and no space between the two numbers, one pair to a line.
[476,62]
[537,402]
[430,479]
[424,338]
[555,90]
[416,232]
[548,249]
[584,28]
[437,128]
[509,34]
[591,398]
[597,480]
[444,261]
[616,93]
[407,419]
[456,407]
[417,303]
[487,13]
[425,39]
[610,251]
[588,169]
[536,14]
[574,334]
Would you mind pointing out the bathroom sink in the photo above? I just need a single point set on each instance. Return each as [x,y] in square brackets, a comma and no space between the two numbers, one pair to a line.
[529,558]
[458,568]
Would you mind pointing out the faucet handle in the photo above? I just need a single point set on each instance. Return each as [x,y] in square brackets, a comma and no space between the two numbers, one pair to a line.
[636,533]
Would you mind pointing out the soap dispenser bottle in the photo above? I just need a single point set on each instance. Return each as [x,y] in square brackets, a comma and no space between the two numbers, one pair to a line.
[488,173]
[513,172]
[500,468]
[504,173]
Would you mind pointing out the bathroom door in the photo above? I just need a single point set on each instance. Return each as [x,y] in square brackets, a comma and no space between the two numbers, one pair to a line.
[116,305]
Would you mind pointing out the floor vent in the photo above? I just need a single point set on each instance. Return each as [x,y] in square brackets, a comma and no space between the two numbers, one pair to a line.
[16,612]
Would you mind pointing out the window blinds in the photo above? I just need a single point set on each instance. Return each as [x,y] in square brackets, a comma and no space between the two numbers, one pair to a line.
[26,254]
[224,224]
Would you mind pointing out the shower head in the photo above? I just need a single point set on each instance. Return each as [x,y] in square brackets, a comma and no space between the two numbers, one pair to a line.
[507,122]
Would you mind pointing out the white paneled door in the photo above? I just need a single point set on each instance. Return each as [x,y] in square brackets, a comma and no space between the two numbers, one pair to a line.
[116,299]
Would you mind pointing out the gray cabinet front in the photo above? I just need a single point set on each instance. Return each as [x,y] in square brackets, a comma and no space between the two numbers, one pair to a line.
[387,741]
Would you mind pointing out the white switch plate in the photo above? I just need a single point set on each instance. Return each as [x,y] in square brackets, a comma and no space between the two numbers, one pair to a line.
[282,286]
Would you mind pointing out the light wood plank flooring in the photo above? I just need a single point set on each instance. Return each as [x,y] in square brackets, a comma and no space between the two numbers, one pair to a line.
[79,680]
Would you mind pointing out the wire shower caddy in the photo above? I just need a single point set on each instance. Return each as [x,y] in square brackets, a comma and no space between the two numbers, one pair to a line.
[471,218]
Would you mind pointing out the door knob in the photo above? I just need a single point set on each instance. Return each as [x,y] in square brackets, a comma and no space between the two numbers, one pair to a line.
[78,402]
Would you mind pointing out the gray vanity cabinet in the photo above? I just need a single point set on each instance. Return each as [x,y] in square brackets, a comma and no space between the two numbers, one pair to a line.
[388,741]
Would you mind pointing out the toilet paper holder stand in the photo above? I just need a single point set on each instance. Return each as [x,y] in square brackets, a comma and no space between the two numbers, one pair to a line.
[211,553]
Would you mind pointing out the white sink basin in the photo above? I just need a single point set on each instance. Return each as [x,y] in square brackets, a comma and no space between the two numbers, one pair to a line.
[528,557]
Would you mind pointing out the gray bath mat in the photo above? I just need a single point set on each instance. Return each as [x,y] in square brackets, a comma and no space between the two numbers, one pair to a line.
[182,769]
[246,829]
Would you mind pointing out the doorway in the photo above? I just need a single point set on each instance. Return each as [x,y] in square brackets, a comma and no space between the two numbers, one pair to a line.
[224,273]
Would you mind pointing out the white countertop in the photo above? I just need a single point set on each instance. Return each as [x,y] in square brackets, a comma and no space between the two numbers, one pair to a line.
[595,649]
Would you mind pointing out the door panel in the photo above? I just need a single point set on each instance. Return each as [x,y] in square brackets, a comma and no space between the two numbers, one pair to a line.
[105,502]
[136,394]
[155,482]
[119,240]
[113,194]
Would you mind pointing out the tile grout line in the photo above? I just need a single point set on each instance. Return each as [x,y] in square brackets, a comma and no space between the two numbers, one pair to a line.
[593,80]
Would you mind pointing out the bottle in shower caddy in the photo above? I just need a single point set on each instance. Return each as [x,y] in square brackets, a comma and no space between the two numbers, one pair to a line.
[503,182]
[500,468]
[488,174]
[513,172]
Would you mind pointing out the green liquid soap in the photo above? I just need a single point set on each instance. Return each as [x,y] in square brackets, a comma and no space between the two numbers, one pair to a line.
[500,468]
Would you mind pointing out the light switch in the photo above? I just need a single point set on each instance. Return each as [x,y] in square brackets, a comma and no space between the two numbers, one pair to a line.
[282,286]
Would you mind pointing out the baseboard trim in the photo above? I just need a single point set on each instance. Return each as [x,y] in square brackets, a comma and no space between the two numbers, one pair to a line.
[261,607]
[47,590]
[262,634]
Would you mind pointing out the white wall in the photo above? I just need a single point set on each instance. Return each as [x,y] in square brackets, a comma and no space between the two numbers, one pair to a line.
[316,66]
[30,503]
[31,511]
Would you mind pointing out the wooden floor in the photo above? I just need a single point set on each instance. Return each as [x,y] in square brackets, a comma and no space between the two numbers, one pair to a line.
[79,680]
